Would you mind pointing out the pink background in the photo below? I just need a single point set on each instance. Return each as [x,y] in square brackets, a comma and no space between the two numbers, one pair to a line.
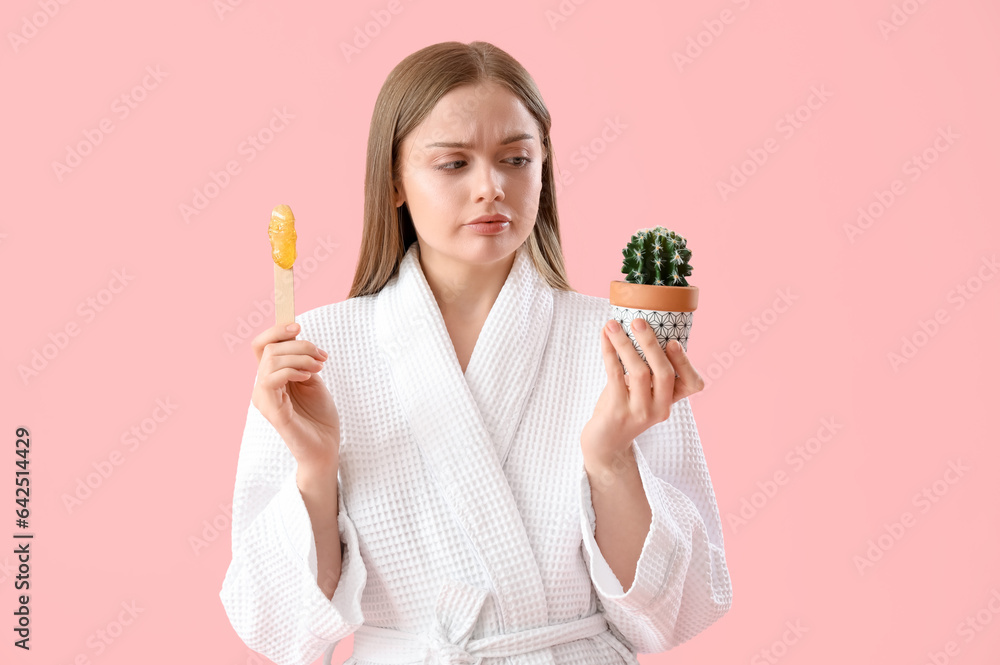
[889,97]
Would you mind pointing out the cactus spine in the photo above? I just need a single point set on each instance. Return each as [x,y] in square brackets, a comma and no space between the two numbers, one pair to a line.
[657,256]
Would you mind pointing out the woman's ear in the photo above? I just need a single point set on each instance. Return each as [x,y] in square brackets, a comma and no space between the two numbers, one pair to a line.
[397,191]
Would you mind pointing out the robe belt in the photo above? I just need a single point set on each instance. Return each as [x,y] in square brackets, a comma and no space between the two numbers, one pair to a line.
[448,643]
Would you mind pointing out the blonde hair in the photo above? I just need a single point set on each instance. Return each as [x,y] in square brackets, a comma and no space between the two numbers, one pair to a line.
[408,95]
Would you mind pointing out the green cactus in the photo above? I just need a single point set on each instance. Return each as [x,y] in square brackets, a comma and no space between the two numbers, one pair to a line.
[657,256]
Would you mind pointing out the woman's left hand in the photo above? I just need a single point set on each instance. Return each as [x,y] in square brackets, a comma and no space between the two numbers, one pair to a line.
[624,410]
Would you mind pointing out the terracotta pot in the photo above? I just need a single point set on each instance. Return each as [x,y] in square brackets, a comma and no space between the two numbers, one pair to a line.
[667,309]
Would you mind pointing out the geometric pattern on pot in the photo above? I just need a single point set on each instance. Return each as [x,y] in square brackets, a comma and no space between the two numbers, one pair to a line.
[666,325]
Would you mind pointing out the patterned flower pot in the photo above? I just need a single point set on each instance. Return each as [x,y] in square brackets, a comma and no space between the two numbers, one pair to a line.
[667,309]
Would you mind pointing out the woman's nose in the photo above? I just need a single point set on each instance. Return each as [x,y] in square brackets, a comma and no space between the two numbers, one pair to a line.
[489,183]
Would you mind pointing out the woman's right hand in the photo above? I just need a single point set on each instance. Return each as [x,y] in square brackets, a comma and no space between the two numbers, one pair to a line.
[293,398]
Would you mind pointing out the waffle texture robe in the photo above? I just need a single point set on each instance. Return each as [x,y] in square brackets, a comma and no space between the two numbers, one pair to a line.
[465,512]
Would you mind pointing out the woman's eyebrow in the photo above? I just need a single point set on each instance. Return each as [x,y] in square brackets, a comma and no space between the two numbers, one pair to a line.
[524,136]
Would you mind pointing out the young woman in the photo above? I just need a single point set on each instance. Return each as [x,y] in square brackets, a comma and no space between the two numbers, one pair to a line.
[450,465]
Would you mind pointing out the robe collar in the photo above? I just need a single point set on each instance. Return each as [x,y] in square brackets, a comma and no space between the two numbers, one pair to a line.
[464,424]
[507,353]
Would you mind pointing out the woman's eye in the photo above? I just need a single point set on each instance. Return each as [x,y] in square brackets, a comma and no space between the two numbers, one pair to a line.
[449,166]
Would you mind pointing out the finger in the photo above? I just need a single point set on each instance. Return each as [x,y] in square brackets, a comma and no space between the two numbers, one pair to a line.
[271,364]
[662,380]
[616,376]
[660,366]
[277,380]
[295,347]
[656,357]
[638,371]
[688,379]
[275,333]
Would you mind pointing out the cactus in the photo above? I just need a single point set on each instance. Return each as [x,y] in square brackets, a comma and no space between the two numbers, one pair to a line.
[657,256]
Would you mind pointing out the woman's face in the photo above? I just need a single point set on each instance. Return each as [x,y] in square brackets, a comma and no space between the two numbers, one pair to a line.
[479,152]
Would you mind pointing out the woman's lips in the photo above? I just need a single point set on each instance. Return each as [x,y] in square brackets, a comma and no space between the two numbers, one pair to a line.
[488,228]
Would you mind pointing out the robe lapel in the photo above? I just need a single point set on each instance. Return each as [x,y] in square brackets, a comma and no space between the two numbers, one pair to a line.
[508,353]
[464,424]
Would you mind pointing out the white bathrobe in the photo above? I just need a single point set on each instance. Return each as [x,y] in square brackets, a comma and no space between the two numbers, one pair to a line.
[465,510]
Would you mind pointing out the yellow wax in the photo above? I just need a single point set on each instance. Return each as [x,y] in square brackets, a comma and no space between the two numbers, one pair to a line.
[281,232]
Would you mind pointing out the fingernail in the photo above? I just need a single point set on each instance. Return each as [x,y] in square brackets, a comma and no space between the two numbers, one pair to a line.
[613,326]
[324,354]
[675,344]
[292,327]
[640,324]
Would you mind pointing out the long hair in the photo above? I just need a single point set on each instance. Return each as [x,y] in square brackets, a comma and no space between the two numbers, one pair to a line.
[408,95]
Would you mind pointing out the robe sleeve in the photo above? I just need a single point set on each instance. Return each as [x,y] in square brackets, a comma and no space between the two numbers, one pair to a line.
[270,592]
[681,584]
